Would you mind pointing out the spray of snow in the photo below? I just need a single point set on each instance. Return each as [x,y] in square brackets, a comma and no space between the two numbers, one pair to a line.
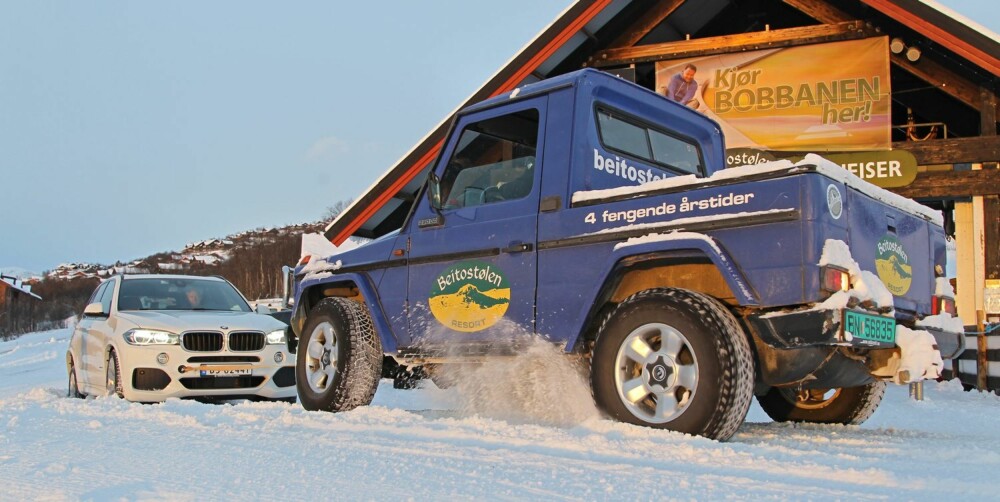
[537,384]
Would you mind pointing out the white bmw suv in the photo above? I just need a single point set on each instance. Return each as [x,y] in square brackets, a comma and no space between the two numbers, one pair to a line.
[151,337]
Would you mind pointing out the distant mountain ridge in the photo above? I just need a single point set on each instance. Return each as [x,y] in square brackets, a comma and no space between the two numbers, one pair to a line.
[199,254]
[251,260]
[19,273]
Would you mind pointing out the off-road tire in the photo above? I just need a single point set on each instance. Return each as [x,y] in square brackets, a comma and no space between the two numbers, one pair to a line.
[113,384]
[358,364]
[73,387]
[848,406]
[717,405]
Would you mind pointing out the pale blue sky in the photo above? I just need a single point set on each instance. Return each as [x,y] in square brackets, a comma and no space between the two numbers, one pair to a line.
[130,128]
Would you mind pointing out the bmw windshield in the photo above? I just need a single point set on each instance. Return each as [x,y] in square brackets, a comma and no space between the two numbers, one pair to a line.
[179,294]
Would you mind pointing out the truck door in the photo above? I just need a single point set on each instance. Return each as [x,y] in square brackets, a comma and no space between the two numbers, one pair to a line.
[472,260]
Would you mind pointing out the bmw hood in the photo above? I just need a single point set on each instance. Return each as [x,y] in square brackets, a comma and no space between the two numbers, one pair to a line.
[179,321]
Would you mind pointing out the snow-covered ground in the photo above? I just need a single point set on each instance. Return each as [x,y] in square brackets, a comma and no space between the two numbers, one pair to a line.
[418,445]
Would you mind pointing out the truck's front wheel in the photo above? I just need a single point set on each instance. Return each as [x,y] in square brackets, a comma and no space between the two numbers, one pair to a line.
[340,362]
[849,405]
[673,359]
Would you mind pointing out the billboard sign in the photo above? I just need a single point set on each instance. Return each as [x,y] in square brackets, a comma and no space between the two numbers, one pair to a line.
[817,98]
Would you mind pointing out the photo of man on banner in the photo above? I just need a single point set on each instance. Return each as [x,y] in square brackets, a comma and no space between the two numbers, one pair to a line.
[683,86]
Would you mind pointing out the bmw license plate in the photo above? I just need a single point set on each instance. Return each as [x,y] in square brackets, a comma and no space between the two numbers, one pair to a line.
[225,373]
[869,328]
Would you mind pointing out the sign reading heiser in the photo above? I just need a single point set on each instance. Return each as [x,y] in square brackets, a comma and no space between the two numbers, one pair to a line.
[887,169]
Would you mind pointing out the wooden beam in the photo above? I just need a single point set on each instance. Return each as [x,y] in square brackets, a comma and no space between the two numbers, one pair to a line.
[952,151]
[947,184]
[651,19]
[938,76]
[820,11]
[924,69]
[788,37]
[934,32]
[988,113]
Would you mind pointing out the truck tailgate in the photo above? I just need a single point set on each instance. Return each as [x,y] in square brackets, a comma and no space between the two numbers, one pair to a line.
[896,245]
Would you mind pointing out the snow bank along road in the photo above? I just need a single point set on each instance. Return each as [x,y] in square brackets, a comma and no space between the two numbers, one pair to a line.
[416,444]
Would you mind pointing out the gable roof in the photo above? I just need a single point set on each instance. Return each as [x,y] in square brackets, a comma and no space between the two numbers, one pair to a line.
[18,286]
[589,24]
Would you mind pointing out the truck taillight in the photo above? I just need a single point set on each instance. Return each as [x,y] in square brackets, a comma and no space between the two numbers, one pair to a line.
[835,279]
[943,304]
[305,259]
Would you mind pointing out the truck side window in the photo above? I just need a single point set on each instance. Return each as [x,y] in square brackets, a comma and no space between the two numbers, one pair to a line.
[646,143]
[494,161]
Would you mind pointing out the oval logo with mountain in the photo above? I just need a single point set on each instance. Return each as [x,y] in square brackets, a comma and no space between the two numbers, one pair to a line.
[470,296]
[893,265]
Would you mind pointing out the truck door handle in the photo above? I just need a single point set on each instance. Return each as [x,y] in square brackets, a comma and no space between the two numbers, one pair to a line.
[518,248]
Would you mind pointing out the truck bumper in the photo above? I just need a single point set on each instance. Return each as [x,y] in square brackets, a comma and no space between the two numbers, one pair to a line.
[950,344]
[809,328]
[811,348]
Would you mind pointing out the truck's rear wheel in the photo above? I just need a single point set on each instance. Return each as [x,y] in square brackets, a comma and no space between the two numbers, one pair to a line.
[340,363]
[673,359]
[849,405]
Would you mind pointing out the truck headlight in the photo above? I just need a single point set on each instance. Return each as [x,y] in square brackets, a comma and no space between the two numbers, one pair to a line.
[276,337]
[151,337]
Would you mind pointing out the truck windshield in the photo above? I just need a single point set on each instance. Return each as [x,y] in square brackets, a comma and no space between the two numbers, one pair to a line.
[179,294]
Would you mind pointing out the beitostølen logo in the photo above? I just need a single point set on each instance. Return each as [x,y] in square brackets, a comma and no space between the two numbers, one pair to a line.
[470,296]
[893,265]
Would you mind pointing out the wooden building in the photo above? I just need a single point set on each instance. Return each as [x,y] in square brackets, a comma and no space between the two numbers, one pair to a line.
[941,101]
[17,305]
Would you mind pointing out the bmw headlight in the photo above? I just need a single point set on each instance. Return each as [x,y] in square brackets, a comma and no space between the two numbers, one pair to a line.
[276,337]
[151,337]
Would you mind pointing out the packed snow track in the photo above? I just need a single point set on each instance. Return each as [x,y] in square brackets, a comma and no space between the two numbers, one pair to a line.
[418,444]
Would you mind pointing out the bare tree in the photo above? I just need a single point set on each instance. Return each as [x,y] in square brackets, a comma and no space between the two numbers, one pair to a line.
[333,211]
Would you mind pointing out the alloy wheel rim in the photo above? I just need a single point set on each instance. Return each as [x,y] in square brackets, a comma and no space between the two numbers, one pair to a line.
[656,373]
[321,357]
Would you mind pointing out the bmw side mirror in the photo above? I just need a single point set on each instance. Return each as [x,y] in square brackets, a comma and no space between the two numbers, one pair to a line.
[263,309]
[94,309]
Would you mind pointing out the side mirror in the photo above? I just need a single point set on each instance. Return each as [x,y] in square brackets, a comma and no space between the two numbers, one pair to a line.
[434,190]
[94,309]
[288,282]
[263,309]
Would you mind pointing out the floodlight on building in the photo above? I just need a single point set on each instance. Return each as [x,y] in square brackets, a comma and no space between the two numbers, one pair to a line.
[897,46]
[913,54]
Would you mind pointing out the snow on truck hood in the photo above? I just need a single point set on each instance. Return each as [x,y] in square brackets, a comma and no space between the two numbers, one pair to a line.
[178,321]
[823,166]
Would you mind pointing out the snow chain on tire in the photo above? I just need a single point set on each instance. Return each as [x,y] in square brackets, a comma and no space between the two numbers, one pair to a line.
[116,389]
[714,348]
[358,357]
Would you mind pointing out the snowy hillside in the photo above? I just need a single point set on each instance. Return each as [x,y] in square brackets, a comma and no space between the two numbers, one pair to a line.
[417,444]
[18,273]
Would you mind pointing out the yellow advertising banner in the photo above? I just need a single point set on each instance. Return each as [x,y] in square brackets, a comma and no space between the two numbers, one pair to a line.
[817,98]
